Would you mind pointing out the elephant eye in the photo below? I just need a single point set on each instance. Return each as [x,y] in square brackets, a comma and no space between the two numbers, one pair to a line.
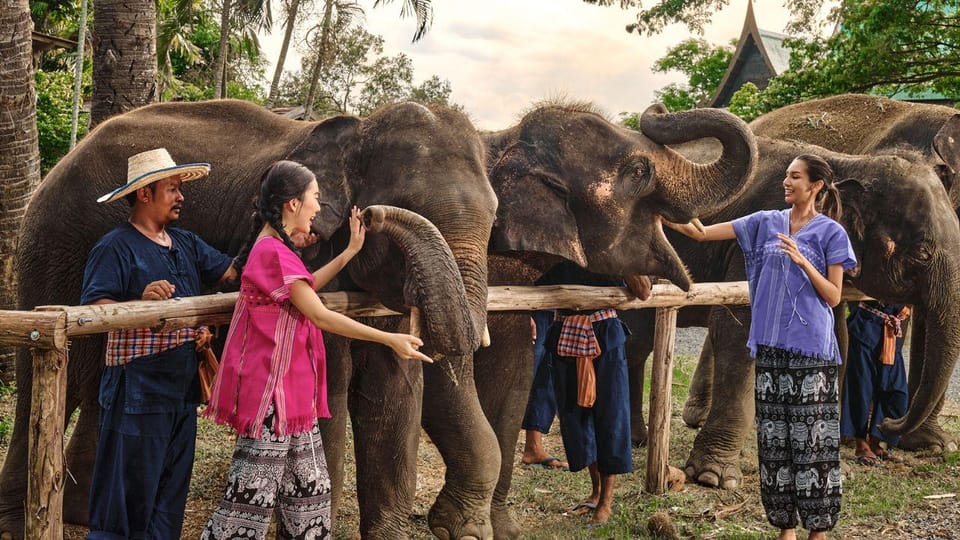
[639,174]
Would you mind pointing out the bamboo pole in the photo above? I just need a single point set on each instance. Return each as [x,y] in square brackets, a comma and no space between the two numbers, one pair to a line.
[661,378]
[44,512]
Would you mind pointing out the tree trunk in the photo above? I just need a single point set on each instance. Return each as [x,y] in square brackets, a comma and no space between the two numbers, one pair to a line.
[78,75]
[321,54]
[287,35]
[124,57]
[19,146]
[220,66]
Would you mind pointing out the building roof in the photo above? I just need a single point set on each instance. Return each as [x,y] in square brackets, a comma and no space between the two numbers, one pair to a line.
[760,56]
[44,42]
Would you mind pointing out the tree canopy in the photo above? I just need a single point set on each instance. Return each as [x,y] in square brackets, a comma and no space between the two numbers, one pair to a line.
[703,64]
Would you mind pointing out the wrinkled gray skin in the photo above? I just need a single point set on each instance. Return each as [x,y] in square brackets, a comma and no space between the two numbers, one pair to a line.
[571,185]
[429,161]
[904,233]
[862,124]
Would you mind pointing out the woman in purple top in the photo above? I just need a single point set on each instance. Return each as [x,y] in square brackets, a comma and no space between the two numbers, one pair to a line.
[795,260]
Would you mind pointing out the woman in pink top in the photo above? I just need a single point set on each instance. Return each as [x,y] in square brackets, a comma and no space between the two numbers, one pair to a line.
[272,385]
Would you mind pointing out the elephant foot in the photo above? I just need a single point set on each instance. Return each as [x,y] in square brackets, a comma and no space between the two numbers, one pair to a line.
[449,520]
[930,436]
[695,413]
[11,519]
[504,526]
[713,471]
[638,435]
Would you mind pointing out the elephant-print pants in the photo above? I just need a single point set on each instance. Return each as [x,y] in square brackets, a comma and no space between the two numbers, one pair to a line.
[800,456]
[286,472]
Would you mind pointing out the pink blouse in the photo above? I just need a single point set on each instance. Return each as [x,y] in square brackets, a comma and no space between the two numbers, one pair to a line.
[273,352]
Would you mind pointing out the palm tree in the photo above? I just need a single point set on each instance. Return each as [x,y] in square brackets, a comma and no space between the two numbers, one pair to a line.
[19,146]
[250,15]
[293,9]
[421,9]
[124,56]
[174,21]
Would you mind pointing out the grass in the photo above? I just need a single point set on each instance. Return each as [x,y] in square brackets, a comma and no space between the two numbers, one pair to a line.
[877,501]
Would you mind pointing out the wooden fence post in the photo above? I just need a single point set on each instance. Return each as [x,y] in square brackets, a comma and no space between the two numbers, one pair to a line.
[44,513]
[658,430]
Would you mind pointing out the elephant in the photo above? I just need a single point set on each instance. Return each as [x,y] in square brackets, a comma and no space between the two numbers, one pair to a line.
[904,233]
[426,248]
[821,429]
[812,386]
[765,384]
[807,480]
[834,480]
[863,124]
[572,185]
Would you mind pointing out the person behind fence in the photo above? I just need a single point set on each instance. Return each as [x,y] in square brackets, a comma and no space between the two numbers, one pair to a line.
[542,403]
[795,260]
[586,350]
[149,390]
[272,387]
[875,383]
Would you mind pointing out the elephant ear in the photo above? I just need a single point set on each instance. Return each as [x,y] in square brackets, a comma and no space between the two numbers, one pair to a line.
[534,215]
[852,199]
[947,145]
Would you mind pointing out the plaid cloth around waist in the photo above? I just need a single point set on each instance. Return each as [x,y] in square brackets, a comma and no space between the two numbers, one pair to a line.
[125,345]
[577,338]
[892,321]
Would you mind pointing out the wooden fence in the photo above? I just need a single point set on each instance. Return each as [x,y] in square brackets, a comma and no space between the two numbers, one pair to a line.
[48,329]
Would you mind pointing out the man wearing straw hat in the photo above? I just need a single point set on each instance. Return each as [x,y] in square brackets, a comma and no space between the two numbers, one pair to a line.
[149,390]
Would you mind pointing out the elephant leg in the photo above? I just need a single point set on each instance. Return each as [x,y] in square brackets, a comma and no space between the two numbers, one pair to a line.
[504,373]
[638,348]
[384,401]
[333,431]
[930,434]
[697,407]
[82,390]
[455,422]
[714,459]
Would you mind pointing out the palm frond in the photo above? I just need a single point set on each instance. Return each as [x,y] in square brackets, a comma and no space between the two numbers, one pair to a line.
[421,9]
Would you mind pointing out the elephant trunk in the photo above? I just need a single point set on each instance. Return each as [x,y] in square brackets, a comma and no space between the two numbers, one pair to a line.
[432,279]
[694,189]
[941,343]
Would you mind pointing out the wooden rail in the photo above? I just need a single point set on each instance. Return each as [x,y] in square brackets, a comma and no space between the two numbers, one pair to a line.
[48,329]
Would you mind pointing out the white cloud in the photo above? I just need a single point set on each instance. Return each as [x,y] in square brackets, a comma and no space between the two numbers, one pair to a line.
[502,55]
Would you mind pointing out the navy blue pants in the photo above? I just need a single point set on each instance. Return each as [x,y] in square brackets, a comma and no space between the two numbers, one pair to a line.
[871,390]
[542,403]
[148,429]
[598,434]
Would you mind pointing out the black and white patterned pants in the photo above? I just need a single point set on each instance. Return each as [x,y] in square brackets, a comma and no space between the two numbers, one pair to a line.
[288,474]
[798,438]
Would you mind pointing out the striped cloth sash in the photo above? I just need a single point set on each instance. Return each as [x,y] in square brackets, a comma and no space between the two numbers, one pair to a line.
[577,338]
[892,329]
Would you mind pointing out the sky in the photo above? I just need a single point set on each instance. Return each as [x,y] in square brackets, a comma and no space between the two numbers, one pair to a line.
[501,56]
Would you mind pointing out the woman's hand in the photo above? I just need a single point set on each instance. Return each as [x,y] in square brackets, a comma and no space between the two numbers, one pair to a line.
[789,246]
[406,347]
[357,232]
[301,240]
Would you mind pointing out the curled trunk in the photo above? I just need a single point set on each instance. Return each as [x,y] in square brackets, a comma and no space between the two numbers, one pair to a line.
[941,344]
[432,280]
[692,188]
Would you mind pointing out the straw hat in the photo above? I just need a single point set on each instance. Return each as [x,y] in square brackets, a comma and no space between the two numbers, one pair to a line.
[148,167]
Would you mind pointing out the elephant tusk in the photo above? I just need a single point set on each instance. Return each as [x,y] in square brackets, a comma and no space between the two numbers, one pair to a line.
[415,321]
[485,339]
[696,223]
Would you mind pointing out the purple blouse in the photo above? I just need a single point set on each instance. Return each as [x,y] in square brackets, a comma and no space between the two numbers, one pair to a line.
[786,311]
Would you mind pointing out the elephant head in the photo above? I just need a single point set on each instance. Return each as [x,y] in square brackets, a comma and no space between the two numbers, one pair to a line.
[572,184]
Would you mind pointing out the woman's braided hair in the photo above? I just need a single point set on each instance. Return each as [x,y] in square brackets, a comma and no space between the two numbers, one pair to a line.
[283,181]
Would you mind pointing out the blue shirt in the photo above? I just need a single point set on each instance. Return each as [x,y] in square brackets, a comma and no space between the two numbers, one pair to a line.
[786,311]
[124,262]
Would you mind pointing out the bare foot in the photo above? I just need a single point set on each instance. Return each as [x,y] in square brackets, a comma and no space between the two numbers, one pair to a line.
[601,515]
[787,534]
[546,462]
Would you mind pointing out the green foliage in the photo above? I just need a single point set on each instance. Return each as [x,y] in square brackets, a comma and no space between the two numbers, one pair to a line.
[630,120]
[703,64]
[55,113]
[746,102]
[358,78]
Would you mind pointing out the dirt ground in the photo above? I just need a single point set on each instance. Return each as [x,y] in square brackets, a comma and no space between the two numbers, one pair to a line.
[909,500]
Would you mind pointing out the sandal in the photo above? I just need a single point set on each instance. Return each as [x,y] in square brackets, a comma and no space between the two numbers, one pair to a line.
[868,460]
[888,455]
